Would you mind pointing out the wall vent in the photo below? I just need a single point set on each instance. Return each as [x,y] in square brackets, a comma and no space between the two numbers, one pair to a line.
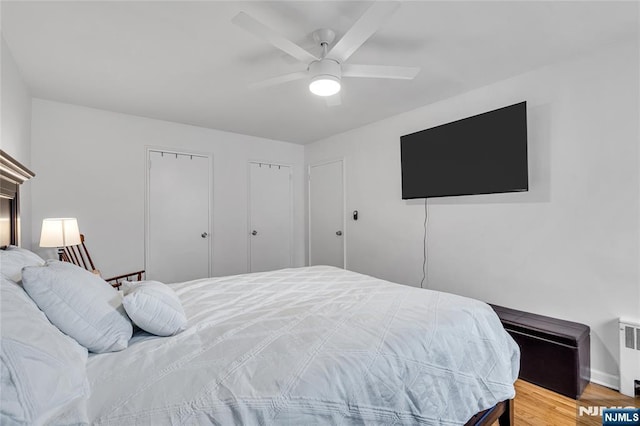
[629,356]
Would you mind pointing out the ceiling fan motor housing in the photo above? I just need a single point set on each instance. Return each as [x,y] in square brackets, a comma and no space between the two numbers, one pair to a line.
[325,67]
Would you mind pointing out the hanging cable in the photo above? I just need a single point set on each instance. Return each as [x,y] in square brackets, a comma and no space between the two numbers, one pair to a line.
[424,246]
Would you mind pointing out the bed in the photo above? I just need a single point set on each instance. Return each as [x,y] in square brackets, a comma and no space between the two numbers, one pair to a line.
[315,345]
[312,345]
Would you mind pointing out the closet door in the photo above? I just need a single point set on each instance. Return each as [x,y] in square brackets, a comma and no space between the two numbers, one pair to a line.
[178,216]
[270,217]
[326,214]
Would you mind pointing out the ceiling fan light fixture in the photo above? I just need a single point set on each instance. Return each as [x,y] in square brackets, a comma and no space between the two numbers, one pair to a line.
[324,85]
[325,77]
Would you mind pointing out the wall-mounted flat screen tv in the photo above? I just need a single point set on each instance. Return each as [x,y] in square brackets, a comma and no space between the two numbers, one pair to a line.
[483,154]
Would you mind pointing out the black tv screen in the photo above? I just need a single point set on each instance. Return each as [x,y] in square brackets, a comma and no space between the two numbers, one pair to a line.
[483,154]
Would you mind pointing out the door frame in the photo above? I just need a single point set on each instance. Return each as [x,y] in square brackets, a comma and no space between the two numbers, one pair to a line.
[209,156]
[291,209]
[343,160]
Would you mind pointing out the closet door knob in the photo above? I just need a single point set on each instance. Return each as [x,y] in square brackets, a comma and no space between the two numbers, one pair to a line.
[204,235]
[254,232]
[339,233]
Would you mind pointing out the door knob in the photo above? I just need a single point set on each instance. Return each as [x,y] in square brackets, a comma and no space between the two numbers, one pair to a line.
[254,232]
[204,235]
[339,233]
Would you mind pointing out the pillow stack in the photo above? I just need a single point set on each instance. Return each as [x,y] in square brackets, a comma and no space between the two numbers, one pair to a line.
[43,350]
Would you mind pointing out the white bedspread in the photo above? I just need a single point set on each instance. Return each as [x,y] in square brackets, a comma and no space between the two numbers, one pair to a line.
[316,345]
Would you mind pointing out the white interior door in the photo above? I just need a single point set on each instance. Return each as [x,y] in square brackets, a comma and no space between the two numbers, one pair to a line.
[326,214]
[178,239]
[270,217]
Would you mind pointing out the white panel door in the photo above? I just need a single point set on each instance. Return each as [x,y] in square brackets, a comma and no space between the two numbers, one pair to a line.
[326,214]
[179,191]
[270,217]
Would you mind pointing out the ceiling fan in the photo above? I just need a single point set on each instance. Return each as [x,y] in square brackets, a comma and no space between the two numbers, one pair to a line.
[325,72]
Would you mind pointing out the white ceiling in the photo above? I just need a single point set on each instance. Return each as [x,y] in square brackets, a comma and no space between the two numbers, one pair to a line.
[186,62]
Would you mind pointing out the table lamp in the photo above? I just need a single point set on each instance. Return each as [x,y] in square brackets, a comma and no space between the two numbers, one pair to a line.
[60,233]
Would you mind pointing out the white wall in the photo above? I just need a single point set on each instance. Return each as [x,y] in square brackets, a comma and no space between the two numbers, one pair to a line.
[568,248]
[90,165]
[16,130]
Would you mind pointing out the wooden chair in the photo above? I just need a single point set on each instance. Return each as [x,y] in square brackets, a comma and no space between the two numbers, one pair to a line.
[79,256]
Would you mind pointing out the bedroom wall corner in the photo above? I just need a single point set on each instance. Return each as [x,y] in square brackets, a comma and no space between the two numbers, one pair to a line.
[16,129]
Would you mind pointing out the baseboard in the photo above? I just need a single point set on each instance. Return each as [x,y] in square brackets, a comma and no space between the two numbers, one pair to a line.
[605,379]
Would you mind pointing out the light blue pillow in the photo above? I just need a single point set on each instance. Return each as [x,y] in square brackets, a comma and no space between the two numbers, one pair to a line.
[154,307]
[80,304]
[42,372]
[13,259]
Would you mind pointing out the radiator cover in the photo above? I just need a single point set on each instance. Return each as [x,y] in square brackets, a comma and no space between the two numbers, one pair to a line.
[629,355]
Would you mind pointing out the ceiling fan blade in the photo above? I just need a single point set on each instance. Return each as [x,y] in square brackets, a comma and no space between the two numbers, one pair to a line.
[285,78]
[379,71]
[334,100]
[364,28]
[260,30]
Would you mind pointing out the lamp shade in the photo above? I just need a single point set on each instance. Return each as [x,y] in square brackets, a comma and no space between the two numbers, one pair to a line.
[59,232]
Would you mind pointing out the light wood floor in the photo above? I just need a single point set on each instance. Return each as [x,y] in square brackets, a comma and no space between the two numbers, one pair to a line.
[537,406]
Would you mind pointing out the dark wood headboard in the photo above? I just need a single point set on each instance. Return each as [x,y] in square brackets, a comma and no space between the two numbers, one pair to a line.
[12,175]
